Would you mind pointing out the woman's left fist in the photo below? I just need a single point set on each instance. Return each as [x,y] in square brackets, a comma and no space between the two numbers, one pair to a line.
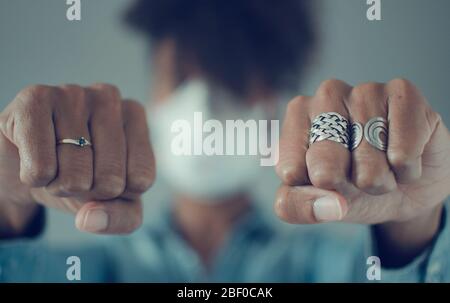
[397,168]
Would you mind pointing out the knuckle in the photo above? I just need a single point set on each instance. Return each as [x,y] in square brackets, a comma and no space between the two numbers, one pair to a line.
[324,178]
[107,103]
[280,204]
[133,105]
[330,89]
[108,90]
[307,213]
[105,96]
[73,90]
[109,186]
[400,159]
[75,99]
[291,176]
[403,89]
[289,208]
[38,175]
[297,103]
[70,185]
[365,92]
[141,182]
[281,213]
[371,183]
[402,84]
[35,95]
[134,109]
[35,91]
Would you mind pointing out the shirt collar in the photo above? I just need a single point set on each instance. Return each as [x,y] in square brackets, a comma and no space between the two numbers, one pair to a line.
[254,223]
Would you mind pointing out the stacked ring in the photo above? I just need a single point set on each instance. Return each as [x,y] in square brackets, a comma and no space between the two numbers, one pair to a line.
[334,127]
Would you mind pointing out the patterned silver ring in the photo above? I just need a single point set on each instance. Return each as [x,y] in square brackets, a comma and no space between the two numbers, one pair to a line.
[356,135]
[330,126]
[81,142]
[376,133]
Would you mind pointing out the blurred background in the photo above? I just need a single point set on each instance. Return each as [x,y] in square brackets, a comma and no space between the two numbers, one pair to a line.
[39,46]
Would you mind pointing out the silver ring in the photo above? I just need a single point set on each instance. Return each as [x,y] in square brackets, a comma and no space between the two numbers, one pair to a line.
[376,133]
[356,135]
[81,142]
[330,126]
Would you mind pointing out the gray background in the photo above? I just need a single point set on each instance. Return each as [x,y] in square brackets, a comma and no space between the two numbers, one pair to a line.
[38,45]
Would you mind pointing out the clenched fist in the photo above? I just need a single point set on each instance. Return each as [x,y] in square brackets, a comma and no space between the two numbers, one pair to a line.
[326,181]
[101,183]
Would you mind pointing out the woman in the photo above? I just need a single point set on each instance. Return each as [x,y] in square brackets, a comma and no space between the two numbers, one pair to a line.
[83,150]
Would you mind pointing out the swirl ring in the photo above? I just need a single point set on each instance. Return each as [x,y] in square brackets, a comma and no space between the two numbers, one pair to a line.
[376,133]
[356,134]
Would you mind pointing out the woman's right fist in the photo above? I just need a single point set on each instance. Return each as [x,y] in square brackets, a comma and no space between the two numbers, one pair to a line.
[101,183]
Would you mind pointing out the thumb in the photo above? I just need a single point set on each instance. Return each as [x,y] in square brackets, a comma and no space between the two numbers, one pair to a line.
[309,205]
[110,217]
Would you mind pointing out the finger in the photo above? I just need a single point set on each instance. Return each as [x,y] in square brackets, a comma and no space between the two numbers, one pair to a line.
[74,175]
[115,217]
[291,167]
[309,205]
[30,128]
[409,130]
[140,158]
[328,162]
[67,204]
[108,141]
[371,172]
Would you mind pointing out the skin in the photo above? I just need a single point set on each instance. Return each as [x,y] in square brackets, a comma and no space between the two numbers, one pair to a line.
[399,192]
[101,184]
[204,225]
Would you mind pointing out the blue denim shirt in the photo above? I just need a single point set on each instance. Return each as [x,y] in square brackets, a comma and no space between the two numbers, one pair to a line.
[256,251]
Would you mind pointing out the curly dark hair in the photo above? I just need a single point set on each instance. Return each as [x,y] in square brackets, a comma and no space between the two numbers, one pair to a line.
[234,42]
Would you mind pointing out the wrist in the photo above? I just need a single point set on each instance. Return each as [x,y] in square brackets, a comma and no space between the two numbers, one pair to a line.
[400,242]
[19,220]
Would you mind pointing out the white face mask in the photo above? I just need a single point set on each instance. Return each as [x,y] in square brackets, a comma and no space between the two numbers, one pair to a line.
[205,177]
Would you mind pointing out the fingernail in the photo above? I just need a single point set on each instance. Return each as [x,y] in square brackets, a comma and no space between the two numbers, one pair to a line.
[96,220]
[327,209]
